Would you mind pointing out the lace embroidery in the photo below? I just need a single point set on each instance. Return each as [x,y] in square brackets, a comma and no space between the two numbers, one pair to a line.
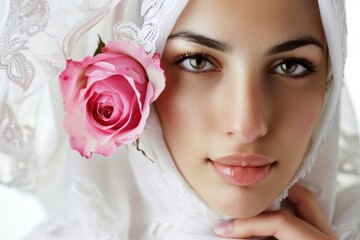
[23,66]
[25,19]
[15,141]
[13,137]
[96,11]
[153,13]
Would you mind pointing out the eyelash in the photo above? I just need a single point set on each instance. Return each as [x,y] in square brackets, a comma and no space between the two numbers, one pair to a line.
[193,55]
[310,67]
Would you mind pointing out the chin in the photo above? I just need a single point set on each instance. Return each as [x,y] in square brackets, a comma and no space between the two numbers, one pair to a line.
[240,211]
[241,204]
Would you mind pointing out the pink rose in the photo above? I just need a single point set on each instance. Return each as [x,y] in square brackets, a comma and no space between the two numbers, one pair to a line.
[107,98]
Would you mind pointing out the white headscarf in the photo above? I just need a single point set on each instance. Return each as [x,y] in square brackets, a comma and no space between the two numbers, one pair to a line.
[27,65]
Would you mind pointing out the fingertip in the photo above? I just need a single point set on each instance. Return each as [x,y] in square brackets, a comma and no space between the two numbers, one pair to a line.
[224,229]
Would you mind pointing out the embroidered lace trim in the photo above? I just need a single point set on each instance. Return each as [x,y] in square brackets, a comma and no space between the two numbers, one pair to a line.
[33,48]
[153,13]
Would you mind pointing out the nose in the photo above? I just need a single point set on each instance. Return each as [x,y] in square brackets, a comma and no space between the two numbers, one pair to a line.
[244,107]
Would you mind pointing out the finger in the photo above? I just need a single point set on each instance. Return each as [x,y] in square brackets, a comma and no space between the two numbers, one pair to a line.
[308,209]
[280,224]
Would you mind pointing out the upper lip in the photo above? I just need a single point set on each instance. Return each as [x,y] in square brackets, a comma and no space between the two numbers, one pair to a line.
[240,160]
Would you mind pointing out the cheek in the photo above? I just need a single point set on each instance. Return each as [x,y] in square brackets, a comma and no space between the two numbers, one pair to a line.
[173,109]
[176,116]
[182,106]
[298,124]
[305,121]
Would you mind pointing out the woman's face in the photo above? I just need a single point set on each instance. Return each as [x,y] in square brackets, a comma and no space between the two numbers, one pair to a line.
[245,88]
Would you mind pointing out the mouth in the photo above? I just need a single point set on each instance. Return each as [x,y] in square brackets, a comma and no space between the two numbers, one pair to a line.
[243,170]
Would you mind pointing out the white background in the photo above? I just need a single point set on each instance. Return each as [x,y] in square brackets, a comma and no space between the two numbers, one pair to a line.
[19,212]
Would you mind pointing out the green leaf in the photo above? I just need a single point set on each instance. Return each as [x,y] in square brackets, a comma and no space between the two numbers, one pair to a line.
[101,44]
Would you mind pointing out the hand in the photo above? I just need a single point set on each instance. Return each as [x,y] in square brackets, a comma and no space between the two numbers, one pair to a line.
[310,222]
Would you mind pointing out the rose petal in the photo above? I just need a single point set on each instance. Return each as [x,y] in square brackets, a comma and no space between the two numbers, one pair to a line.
[80,139]
[107,149]
[157,80]
[129,48]
[71,80]
[106,65]
[132,134]
[101,69]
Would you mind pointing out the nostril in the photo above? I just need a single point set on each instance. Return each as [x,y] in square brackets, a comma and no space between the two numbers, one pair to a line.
[246,138]
[247,133]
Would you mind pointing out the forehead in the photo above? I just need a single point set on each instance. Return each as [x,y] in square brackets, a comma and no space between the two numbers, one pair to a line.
[240,21]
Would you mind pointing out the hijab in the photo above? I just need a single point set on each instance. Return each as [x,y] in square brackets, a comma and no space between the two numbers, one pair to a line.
[155,182]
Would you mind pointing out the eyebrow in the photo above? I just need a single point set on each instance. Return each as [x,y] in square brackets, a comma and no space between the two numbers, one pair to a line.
[224,47]
[294,44]
[202,40]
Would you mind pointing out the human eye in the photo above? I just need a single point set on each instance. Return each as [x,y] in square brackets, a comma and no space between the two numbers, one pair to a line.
[195,62]
[293,67]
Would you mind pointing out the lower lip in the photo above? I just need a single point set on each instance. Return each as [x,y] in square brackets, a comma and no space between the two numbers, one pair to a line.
[242,176]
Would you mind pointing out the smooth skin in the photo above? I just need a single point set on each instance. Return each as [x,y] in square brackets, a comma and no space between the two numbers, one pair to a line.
[246,77]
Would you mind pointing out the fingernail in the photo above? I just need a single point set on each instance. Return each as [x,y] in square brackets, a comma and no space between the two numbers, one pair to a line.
[224,229]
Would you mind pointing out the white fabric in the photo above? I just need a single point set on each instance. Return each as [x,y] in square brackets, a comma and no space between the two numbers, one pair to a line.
[128,196]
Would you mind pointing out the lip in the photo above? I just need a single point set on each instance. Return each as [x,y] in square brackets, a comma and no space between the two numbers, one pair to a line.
[243,170]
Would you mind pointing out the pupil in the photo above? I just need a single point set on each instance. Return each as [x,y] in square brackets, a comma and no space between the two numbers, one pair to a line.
[289,67]
[197,63]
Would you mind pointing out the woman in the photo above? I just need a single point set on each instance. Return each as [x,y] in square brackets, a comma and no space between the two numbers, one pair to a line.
[251,97]
[230,103]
